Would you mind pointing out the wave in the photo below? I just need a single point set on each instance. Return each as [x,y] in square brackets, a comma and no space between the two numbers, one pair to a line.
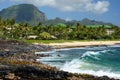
[115,46]
[92,54]
[45,52]
[55,50]
[89,53]
[96,54]
[66,49]
[79,66]
[96,61]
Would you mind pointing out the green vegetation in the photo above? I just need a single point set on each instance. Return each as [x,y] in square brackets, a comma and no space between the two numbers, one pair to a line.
[97,26]
[59,41]
[50,41]
[9,29]
[45,36]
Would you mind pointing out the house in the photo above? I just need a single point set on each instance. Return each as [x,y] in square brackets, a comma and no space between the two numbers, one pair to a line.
[32,37]
[53,37]
[109,31]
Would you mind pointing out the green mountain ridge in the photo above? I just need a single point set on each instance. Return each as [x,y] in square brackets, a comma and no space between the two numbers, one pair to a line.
[84,21]
[24,13]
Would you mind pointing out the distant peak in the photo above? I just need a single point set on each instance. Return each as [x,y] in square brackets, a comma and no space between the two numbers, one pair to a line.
[25,4]
[85,19]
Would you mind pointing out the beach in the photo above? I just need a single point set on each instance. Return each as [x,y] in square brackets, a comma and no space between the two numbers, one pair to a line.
[82,44]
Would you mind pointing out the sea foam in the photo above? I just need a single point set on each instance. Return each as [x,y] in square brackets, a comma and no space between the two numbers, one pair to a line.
[78,66]
[45,52]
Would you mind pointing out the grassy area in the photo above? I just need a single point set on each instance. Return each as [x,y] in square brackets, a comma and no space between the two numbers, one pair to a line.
[48,41]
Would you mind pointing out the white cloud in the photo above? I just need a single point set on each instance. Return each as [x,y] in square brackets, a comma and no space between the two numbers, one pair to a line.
[98,7]
[37,2]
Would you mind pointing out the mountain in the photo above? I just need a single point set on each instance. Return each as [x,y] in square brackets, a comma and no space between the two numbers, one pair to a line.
[57,20]
[87,21]
[24,13]
[31,14]
[84,21]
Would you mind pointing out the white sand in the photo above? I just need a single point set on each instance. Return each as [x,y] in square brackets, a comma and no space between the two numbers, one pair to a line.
[82,44]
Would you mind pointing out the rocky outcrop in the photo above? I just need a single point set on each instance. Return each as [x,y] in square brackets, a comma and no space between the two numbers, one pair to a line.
[25,72]
[9,48]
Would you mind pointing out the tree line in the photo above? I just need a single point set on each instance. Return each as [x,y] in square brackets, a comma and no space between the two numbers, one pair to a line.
[9,29]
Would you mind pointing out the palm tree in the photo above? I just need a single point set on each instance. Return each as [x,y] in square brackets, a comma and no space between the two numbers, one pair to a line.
[24,30]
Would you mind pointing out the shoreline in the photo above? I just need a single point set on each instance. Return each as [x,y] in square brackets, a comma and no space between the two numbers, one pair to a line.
[81,44]
[18,61]
[74,45]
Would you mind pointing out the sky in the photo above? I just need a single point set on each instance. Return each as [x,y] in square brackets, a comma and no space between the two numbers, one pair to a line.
[99,10]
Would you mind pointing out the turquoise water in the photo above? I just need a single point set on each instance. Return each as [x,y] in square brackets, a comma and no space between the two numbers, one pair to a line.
[99,61]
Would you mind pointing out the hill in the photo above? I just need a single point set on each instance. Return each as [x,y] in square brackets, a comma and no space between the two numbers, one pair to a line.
[24,13]
[55,21]
[87,21]
[84,21]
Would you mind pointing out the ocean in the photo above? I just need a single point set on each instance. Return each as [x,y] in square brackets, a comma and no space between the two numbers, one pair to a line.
[98,61]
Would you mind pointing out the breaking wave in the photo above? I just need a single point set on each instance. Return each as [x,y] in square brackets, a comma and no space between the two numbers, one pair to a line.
[79,66]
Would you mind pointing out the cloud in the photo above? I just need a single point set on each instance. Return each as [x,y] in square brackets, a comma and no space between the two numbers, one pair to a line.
[98,7]
[37,2]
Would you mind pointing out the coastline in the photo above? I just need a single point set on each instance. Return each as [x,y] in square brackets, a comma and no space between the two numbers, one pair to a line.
[82,44]
[77,44]
[18,62]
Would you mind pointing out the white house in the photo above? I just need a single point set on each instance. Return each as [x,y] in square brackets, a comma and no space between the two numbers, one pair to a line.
[32,37]
[109,32]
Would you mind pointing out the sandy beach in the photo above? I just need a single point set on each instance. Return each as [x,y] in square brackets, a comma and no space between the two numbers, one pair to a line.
[83,44]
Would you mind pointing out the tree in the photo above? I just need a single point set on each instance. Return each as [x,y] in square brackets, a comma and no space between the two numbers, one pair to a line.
[72,35]
[45,36]
[24,30]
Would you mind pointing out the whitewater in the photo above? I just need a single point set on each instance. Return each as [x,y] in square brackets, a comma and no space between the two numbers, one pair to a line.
[98,61]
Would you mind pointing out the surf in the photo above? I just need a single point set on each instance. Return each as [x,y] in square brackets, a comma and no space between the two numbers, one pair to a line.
[98,61]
